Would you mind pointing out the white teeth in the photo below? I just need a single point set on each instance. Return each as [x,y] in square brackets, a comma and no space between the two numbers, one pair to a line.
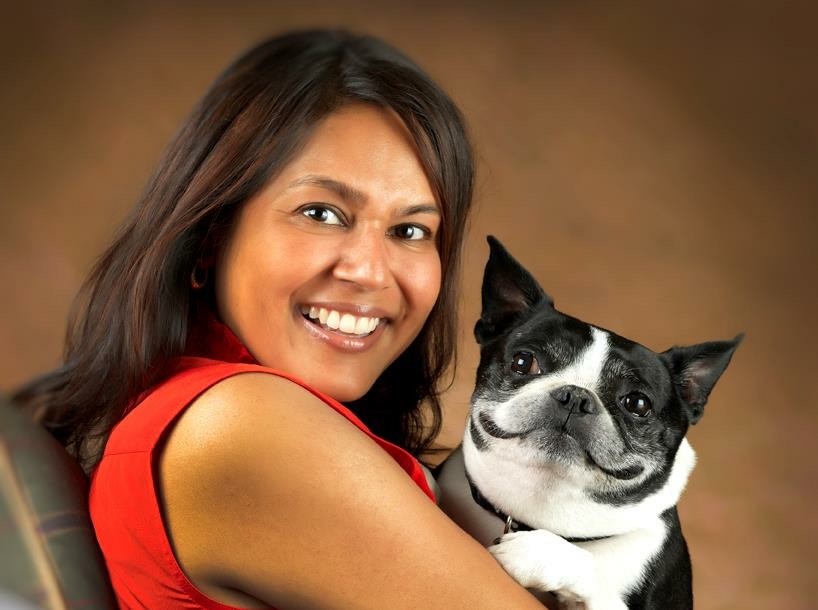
[333,320]
[346,323]
[362,326]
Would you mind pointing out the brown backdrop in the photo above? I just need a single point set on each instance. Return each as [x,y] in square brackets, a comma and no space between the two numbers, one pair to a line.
[653,164]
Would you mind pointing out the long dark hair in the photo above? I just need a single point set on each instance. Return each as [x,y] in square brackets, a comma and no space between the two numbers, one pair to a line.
[134,311]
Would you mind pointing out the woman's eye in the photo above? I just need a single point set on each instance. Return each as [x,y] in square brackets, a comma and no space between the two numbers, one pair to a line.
[637,403]
[411,232]
[524,363]
[322,214]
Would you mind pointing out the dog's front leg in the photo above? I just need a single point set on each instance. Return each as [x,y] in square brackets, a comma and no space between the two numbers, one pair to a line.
[621,562]
[542,561]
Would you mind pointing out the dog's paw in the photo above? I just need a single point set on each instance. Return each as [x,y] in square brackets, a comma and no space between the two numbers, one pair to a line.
[543,561]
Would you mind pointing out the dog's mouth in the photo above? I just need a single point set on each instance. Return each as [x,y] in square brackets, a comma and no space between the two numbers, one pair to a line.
[493,429]
[626,473]
[622,473]
[559,441]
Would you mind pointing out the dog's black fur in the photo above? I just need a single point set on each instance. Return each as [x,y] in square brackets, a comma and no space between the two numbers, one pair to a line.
[579,434]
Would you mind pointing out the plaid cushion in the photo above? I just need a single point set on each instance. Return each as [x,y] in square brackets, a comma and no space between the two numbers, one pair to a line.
[48,552]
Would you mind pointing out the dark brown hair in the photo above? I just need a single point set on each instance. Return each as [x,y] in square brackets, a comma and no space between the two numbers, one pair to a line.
[134,311]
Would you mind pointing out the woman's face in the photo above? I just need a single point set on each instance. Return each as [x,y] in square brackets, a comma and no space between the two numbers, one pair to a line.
[332,269]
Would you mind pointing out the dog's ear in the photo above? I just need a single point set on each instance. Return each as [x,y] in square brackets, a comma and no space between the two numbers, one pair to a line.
[696,369]
[508,291]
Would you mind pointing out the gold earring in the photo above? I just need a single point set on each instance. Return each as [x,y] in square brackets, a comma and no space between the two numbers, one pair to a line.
[198,277]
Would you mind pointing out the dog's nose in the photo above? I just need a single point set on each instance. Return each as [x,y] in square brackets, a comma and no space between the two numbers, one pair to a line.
[575,398]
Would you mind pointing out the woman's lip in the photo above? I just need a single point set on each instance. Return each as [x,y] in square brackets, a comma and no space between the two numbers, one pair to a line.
[341,341]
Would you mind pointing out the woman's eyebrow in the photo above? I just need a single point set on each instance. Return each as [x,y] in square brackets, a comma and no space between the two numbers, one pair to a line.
[426,208]
[342,189]
[351,194]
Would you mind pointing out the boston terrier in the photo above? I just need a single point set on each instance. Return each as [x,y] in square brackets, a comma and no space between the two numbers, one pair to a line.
[575,452]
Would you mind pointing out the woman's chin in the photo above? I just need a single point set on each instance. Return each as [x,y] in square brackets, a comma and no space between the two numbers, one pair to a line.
[343,386]
[346,392]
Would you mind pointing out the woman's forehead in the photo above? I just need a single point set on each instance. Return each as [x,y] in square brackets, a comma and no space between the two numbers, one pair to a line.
[361,151]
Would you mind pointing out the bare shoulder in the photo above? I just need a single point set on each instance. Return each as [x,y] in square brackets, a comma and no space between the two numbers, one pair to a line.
[223,461]
[269,491]
[257,425]
[265,426]
[247,408]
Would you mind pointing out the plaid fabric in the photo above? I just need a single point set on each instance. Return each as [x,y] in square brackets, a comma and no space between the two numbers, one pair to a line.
[48,552]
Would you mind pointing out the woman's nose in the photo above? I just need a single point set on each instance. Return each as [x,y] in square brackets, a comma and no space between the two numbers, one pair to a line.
[363,259]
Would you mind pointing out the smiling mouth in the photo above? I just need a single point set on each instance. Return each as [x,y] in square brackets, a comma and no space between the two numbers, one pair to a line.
[338,322]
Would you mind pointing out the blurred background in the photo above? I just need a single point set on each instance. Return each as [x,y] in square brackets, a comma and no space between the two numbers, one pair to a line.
[654,164]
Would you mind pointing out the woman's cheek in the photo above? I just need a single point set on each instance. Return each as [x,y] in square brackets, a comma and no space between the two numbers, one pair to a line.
[428,277]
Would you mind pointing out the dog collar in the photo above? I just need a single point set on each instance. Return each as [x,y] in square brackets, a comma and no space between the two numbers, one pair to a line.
[512,524]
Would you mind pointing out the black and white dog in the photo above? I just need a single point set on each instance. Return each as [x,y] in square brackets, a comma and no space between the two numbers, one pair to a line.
[576,442]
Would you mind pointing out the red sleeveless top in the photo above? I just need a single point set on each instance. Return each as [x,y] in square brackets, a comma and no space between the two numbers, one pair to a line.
[123,496]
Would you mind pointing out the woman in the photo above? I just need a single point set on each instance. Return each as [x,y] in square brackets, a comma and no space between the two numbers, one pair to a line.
[297,249]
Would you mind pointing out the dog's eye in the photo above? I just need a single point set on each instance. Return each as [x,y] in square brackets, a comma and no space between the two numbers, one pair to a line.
[524,363]
[637,403]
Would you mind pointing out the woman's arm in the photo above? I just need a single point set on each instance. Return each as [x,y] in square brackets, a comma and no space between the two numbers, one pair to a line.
[268,491]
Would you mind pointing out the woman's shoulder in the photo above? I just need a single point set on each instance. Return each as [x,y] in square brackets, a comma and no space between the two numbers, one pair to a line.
[252,457]
[198,386]
[234,418]
[256,404]
[243,444]
[256,431]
